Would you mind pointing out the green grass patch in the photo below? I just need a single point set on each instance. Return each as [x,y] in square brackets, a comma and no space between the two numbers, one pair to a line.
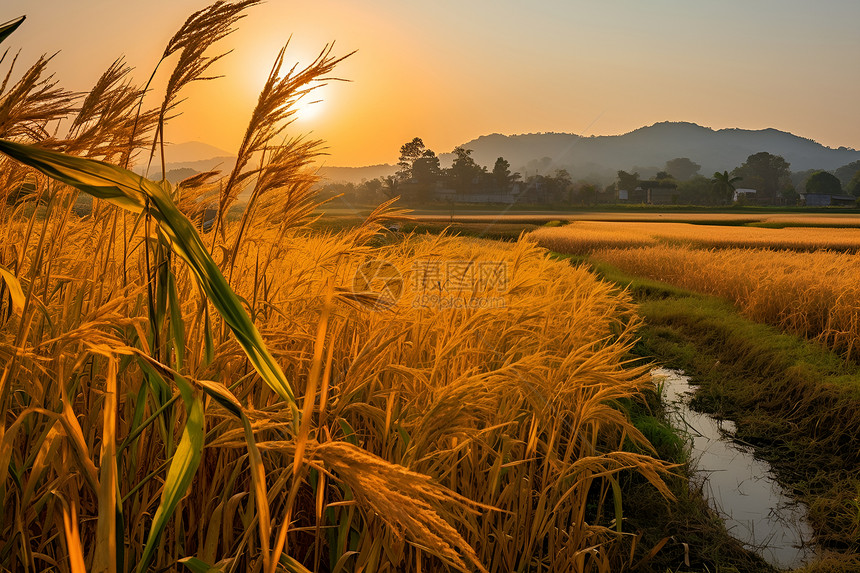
[795,401]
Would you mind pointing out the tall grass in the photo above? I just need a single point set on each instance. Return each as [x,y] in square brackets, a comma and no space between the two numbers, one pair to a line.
[171,397]
[815,295]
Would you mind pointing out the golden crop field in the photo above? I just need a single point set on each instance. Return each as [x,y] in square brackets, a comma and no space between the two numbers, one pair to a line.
[582,237]
[261,397]
[814,294]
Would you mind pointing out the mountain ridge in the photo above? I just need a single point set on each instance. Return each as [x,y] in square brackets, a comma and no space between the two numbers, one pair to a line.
[651,146]
[599,157]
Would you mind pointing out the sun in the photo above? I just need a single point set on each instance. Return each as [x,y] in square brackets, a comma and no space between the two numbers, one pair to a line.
[309,108]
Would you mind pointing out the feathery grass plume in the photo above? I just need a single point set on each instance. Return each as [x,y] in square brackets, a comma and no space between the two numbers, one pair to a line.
[271,115]
[285,184]
[35,100]
[406,501]
[200,31]
[103,126]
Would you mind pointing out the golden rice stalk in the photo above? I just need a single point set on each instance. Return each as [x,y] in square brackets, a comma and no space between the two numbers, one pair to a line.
[408,502]
[73,537]
[33,102]
[107,126]
[274,110]
[200,31]
[109,535]
[135,193]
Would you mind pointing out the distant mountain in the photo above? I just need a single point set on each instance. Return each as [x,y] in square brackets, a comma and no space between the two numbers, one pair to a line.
[192,151]
[355,174]
[178,171]
[650,147]
[186,159]
[597,158]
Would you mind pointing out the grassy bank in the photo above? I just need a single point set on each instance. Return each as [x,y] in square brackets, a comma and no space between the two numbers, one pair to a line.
[795,401]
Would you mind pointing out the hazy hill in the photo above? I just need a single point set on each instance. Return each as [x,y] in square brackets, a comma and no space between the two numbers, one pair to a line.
[355,174]
[192,151]
[186,159]
[185,169]
[597,158]
[652,146]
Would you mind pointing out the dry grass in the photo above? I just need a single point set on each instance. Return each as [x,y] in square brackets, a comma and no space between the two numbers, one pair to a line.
[140,427]
[815,295]
[582,237]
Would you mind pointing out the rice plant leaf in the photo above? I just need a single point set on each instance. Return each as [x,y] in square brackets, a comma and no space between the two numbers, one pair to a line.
[617,498]
[109,535]
[186,459]
[10,26]
[177,326]
[258,477]
[78,444]
[208,342]
[135,193]
[197,565]
[292,565]
[73,538]
[15,290]
[223,396]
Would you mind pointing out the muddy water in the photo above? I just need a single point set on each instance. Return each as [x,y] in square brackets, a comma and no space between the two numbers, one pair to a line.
[741,488]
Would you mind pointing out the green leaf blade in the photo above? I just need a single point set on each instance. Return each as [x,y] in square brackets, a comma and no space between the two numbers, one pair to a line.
[10,26]
[132,192]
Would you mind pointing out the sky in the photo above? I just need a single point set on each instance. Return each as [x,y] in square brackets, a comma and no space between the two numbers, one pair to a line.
[449,71]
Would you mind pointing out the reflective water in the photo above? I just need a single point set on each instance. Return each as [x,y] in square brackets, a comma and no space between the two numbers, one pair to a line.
[741,488]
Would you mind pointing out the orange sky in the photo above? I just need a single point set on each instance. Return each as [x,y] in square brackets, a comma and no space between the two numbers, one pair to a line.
[450,71]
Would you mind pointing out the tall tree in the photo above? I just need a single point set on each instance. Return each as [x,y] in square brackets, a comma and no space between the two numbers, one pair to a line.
[628,181]
[682,168]
[847,172]
[425,169]
[853,186]
[724,185]
[823,183]
[768,174]
[390,186]
[425,174]
[502,175]
[464,172]
[409,153]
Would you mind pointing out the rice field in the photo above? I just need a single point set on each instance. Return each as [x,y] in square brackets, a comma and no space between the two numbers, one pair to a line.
[473,214]
[254,395]
[801,279]
[583,237]
[815,295]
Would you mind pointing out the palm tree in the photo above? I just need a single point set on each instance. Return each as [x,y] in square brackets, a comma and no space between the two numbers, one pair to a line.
[725,185]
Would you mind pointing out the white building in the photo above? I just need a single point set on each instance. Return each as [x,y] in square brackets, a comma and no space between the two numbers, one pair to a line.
[745,193]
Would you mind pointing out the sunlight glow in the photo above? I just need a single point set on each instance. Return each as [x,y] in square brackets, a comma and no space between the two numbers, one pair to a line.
[310,107]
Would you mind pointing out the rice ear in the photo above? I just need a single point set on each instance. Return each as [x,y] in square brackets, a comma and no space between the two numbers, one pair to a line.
[136,194]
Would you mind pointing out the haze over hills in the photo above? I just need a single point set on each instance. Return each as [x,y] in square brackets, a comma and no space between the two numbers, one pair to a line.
[651,147]
[596,157]
[185,159]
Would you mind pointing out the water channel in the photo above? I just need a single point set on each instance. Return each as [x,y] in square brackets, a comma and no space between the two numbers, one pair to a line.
[755,508]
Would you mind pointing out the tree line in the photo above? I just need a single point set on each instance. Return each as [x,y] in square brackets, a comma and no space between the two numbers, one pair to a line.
[421,180]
